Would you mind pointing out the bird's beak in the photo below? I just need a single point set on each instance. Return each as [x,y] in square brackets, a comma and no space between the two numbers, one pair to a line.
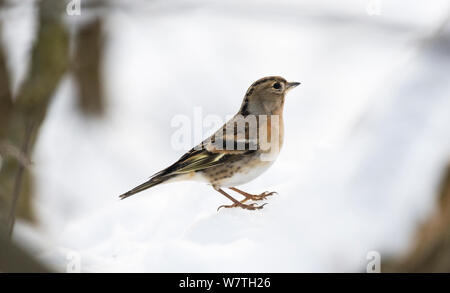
[291,85]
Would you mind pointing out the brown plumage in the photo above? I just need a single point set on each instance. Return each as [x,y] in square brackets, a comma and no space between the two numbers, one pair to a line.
[234,154]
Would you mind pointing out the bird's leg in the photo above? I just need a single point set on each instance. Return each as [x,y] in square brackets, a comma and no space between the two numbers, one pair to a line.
[237,203]
[249,196]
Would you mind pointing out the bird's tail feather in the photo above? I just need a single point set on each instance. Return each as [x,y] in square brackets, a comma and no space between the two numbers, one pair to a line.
[150,183]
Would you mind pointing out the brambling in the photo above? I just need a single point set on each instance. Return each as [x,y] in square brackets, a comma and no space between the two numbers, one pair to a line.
[240,151]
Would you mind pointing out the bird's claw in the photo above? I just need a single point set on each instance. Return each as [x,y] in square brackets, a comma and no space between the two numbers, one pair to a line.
[263,195]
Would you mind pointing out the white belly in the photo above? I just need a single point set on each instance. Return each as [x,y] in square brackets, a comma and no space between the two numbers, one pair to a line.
[246,175]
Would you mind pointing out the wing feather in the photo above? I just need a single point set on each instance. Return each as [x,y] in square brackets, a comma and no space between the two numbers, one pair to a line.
[212,152]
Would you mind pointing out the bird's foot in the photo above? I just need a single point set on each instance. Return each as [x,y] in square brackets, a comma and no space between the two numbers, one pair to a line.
[262,196]
[241,204]
[249,196]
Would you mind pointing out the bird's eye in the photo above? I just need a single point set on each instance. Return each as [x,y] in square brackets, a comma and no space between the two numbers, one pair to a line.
[277,85]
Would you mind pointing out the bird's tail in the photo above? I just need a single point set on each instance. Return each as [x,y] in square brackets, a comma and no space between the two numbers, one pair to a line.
[150,183]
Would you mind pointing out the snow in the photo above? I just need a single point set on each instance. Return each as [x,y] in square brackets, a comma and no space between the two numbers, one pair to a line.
[367,137]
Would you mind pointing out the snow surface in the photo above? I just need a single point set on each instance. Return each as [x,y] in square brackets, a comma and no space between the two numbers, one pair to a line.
[367,136]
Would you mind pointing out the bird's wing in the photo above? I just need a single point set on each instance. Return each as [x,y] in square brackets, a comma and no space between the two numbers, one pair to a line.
[213,151]
[220,148]
[194,160]
[238,137]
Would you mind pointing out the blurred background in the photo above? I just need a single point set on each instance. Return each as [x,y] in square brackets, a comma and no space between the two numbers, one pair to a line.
[87,98]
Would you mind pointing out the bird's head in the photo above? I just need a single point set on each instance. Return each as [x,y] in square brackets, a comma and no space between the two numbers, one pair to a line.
[266,95]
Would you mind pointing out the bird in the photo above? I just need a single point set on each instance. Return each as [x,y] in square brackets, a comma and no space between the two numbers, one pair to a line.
[240,151]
